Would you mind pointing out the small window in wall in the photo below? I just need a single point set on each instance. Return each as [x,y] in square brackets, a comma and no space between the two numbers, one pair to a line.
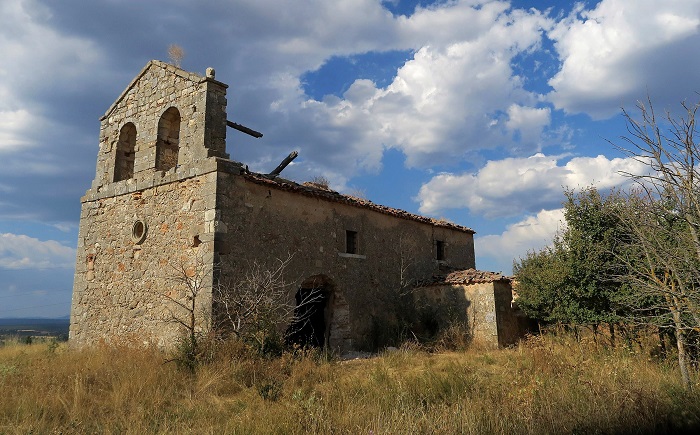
[168,142]
[351,242]
[138,232]
[124,161]
[439,250]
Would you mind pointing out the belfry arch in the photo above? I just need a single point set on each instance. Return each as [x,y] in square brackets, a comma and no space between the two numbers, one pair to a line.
[124,159]
[168,141]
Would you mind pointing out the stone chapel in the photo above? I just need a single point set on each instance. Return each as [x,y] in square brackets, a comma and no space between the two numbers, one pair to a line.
[166,192]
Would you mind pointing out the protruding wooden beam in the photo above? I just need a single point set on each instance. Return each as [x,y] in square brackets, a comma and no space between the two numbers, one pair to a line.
[244,129]
[287,160]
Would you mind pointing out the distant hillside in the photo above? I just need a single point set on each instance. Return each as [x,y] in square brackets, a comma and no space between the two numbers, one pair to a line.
[34,326]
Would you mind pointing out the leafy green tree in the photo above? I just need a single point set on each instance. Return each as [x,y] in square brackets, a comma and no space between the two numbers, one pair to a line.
[632,258]
[593,237]
[662,271]
[540,277]
[575,280]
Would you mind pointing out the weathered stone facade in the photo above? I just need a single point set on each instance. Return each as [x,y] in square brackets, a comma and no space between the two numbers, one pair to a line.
[268,219]
[480,300]
[165,194]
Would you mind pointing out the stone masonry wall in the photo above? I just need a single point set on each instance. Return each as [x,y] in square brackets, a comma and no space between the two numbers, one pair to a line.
[123,286]
[484,307]
[260,223]
[512,324]
[482,312]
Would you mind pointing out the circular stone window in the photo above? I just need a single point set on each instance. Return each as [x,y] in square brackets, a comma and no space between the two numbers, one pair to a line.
[138,232]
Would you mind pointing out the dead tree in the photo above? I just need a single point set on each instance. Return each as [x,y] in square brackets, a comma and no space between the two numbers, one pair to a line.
[257,307]
[176,54]
[663,219]
[189,282]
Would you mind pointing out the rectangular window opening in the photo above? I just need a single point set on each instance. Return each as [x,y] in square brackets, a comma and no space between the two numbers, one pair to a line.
[439,250]
[351,242]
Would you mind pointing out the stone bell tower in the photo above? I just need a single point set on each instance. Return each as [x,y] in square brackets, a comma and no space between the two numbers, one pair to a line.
[151,204]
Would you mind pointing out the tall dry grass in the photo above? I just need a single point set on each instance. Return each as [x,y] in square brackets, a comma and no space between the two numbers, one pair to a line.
[548,385]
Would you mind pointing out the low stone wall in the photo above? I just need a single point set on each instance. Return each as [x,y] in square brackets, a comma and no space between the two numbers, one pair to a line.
[484,307]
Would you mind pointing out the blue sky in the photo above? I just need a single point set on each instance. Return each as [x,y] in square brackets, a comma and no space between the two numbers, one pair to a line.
[476,111]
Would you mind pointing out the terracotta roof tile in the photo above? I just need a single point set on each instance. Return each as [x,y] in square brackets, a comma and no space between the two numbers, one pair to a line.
[466,276]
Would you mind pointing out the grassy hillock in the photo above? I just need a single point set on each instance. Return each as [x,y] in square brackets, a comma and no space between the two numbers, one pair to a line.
[547,385]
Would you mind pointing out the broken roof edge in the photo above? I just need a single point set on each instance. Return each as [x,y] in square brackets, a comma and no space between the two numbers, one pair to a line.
[166,66]
[332,195]
[465,277]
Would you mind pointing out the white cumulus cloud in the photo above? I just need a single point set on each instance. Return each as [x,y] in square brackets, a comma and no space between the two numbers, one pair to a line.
[18,251]
[513,186]
[532,233]
[528,122]
[457,94]
[615,53]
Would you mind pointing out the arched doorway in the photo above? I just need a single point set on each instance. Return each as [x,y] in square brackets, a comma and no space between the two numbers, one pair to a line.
[312,313]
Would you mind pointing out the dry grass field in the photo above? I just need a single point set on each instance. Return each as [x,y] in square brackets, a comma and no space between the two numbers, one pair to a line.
[547,385]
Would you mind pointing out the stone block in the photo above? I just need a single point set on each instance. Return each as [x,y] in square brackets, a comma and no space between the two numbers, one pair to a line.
[211,215]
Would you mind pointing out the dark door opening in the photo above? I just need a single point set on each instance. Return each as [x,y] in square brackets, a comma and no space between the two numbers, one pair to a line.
[308,327]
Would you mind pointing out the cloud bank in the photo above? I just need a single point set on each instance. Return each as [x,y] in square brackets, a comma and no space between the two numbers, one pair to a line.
[613,54]
[530,234]
[512,186]
[18,251]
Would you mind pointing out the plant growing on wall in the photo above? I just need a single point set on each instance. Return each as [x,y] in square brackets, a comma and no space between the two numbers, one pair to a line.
[176,54]
[320,181]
